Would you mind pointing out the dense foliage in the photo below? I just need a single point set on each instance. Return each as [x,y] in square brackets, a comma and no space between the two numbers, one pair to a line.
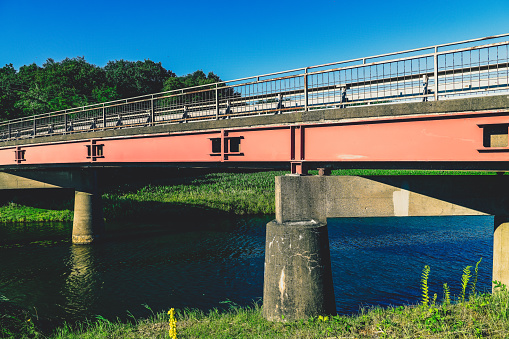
[73,82]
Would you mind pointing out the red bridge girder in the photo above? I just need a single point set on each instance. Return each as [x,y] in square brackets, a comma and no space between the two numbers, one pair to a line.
[448,137]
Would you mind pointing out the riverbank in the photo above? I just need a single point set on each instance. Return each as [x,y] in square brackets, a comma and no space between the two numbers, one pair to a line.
[231,193]
[482,316]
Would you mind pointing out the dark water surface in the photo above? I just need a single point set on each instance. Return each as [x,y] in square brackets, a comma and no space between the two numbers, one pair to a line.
[375,261]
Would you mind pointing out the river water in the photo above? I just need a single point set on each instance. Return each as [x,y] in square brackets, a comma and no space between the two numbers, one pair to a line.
[138,268]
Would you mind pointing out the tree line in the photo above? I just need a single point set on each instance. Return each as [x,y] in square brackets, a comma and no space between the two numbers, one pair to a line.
[74,82]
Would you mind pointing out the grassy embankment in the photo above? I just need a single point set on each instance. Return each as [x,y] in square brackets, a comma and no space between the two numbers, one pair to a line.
[480,316]
[233,193]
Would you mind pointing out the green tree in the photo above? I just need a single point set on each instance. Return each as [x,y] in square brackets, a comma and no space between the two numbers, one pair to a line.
[105,93]
[9,92]
[197,78]
[62,85]
[74,82]
[134,78]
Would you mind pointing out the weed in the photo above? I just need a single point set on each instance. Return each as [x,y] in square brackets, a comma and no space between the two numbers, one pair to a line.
[464,282]
[474,282]
[424,285]
[433,302]
[447,294]
[497,285]
[434,320]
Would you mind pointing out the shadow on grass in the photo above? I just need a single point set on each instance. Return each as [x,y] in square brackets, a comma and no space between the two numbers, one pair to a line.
[132,210]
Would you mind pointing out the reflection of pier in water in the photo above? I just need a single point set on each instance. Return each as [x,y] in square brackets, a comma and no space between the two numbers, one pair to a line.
[82,283]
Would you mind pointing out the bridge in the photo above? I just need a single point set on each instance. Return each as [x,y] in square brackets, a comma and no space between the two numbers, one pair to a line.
[438,107]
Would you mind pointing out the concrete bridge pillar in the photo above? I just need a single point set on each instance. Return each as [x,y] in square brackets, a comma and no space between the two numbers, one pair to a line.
[501,249]
[298,276]
[88,224]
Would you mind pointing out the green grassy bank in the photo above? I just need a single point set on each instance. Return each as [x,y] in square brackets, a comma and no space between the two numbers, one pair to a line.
[232,193]
[482,316]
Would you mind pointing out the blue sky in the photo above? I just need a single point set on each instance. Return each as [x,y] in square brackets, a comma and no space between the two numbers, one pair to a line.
[236,38]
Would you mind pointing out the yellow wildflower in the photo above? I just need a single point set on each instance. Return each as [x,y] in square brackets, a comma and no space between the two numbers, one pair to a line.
[173,324]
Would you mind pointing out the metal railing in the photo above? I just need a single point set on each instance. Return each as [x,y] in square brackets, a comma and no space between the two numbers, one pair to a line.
[440,72]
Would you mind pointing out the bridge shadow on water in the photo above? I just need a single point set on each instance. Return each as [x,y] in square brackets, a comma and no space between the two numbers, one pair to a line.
[144,218]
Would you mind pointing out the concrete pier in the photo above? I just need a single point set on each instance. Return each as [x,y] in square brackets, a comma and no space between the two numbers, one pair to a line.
[88,223]
[298,276]
[501,249]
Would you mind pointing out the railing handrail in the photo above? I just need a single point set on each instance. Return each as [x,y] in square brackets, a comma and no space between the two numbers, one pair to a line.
[258,77]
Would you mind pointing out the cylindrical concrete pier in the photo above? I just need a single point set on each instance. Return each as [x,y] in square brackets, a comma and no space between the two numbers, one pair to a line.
[298,275]
[88,221]
[501,249]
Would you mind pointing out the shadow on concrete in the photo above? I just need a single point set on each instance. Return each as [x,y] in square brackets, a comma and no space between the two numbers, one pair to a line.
[483,193]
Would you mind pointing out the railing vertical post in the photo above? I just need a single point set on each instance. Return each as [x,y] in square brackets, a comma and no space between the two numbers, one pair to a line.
[65,121]
[217,103]
[306,89]
[104,118]
[9,129]
[435,73]
[35,128]
[152,116]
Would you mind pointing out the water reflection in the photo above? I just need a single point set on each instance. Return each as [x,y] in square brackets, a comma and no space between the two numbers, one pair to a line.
[81,285]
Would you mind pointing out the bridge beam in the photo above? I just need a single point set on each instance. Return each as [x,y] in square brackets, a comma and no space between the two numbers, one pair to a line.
[298,278]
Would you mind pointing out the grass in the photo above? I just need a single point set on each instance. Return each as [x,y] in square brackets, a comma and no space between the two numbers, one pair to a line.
[13,212]
[482,316]
[232,193]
